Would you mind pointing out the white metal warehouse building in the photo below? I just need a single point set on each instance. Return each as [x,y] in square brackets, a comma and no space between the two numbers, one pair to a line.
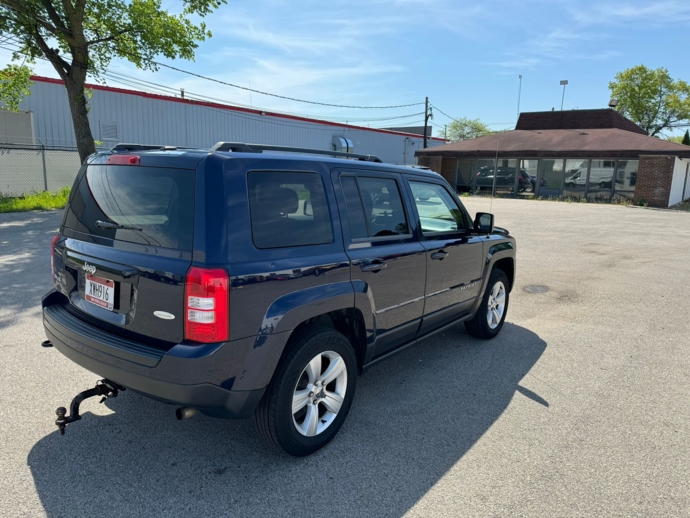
[118,115]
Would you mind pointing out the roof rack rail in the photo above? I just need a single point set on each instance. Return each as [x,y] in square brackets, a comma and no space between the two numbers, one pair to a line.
[241,147]
[144,147]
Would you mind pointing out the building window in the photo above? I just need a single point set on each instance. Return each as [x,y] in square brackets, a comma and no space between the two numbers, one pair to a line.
[626,178]
[463,178]
[601,174]
[550,177]
[484,178]
[505,175]
[528,170]
[575,177]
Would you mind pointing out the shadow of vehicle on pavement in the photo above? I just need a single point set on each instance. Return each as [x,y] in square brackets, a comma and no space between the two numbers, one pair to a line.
[413,418]
[25,262]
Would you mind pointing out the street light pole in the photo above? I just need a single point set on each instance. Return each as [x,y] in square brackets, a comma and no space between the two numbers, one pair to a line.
[519,92]
[563,82]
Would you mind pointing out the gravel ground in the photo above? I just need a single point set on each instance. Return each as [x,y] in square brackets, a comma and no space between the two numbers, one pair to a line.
[581,407]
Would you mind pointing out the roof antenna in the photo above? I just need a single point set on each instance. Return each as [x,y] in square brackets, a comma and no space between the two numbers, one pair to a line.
[493,187]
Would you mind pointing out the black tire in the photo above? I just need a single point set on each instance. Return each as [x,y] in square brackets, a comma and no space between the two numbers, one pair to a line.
[479,325]
[273,417]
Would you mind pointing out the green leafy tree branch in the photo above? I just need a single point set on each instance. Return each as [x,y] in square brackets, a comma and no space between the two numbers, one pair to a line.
[15,84]
[464,128]
[81,37]
[651,98]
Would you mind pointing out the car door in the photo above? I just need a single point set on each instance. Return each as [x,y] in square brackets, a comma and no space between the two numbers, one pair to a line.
[384,251]
[454,252]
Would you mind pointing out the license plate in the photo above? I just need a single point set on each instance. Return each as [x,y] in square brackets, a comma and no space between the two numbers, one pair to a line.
[100,291]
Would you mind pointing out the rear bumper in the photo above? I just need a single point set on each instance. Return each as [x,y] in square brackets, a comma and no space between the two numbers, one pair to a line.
[198,376]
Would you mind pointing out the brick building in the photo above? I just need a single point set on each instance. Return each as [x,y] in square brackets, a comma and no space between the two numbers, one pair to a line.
[579,153]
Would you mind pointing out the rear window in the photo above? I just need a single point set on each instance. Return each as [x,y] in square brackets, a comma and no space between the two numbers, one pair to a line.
[288,209]
[158,202]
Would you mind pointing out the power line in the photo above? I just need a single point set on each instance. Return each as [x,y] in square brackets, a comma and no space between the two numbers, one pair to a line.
[456,120]
[168,90]
[284,96]
[132,82]
[194,74]
[410,123]
[444,113]
[252,89]
[269,120]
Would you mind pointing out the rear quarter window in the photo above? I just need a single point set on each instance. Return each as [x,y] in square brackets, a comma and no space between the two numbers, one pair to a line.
[158,201]
[288,209]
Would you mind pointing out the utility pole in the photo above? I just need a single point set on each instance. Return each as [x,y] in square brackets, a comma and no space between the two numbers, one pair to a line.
[427,115]
[426,118]
[445,131]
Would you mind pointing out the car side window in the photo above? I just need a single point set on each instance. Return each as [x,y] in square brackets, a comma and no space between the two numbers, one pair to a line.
[288,209]
[355,209]
[374,207]
[438,212]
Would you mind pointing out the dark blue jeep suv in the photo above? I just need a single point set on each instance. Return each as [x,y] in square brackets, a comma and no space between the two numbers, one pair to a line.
[240,282]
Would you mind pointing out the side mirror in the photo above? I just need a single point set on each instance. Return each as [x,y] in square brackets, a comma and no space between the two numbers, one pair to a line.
[484,223]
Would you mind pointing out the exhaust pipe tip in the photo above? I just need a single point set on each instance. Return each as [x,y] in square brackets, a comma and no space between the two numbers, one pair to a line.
[46,343]
[184,412]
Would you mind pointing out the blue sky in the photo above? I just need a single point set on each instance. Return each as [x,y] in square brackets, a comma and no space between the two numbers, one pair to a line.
[466,56]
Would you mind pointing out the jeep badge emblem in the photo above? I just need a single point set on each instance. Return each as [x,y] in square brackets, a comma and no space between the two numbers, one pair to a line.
[164,315]
[89,268]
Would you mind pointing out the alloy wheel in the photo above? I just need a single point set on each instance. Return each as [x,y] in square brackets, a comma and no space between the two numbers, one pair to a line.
[319,393]
[496,305]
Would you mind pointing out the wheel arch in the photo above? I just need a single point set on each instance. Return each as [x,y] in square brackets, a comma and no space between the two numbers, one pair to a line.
[507,265]
[499,256]
[347,321]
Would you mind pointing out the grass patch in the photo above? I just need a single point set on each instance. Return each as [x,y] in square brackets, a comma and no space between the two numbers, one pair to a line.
[38,201]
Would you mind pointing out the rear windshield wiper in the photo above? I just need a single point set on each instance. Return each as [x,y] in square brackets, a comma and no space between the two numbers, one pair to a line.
[108,224]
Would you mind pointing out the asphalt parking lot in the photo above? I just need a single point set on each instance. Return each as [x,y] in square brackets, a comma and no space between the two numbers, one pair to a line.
[581,407]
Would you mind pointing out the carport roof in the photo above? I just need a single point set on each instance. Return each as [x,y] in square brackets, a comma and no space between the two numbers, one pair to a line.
[560,143]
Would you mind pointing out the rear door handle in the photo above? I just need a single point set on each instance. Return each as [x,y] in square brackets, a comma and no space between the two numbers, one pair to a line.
[439,255]
[373,267]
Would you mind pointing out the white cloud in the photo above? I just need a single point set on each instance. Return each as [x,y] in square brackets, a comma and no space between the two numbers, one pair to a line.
[649,13]
[572,39]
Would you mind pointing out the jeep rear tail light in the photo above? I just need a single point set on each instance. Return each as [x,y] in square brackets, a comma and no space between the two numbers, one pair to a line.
[52,257]
[123,160]
[207,304]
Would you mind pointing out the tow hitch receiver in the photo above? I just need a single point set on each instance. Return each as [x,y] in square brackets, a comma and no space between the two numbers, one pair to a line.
[103,388]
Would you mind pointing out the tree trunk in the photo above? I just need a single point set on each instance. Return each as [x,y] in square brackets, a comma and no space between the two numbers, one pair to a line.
[74,84]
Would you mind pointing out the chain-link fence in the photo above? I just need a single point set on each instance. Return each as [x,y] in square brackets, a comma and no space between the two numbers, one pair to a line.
[29,168]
